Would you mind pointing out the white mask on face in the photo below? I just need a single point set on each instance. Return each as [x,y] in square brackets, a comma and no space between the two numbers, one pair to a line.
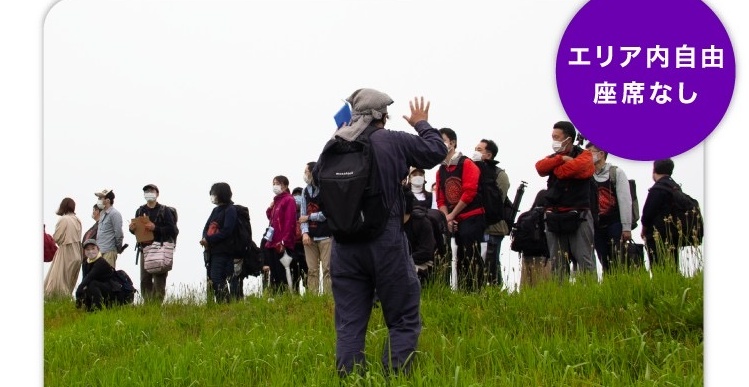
[307,179]
[477,156]
[557,146]
[417,181]
[277,189]
[595,157]
[214,200]
[100,204]
[150,196]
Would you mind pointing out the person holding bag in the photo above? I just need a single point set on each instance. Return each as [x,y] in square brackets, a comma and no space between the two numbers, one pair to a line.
[156,221]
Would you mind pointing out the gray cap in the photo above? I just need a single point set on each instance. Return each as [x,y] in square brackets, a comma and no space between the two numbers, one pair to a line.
[90,242]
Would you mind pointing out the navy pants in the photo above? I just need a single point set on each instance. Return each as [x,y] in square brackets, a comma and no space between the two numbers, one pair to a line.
[219,271]
[356,271]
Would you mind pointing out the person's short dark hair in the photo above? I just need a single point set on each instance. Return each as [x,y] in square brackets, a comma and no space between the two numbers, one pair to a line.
[282,179]
[297,191]
[491,146]
[311,165]
[567,128]
[450,134]
[151,186]
[591,145]
[663,167]
[222,191]
[67,206]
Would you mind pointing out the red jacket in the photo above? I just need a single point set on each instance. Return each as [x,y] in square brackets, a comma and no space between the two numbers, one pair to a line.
[469,188]
[579,168]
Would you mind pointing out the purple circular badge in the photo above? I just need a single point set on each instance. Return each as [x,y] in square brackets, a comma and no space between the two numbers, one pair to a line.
[645,80]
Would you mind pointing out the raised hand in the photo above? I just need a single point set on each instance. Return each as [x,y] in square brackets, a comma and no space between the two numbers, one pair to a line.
[419,111]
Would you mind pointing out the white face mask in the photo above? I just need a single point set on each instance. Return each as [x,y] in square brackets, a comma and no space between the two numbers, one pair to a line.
[307,179]
[417,181]
[150,196]
[449,148]
[477,156]
[557,146]
[91,253]
[277,189]
[595,157]
[214,200]
[100,204]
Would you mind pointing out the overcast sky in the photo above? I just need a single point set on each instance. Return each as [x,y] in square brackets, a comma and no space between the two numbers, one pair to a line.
[186,94]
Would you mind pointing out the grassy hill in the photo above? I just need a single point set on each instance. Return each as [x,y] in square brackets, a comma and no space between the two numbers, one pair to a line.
[630,329]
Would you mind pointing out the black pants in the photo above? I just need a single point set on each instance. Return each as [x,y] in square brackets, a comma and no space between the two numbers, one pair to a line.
[96,295]
[468,238]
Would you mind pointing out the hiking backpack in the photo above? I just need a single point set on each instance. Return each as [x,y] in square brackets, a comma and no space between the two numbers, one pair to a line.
[632,194]
[491,195]
[528,234]
[686,225]
[252,263]
[126,293]
[350,191]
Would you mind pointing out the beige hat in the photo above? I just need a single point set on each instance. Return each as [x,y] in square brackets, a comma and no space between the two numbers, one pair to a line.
[106,193]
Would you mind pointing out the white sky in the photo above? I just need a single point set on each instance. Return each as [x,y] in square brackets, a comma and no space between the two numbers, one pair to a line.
[185,94]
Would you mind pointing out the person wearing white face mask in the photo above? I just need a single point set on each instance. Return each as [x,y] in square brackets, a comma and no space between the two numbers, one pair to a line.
[95,290]
[109,237]
[218,241]
[417,184]
[457,197]
[164,228]
[485,152]
[316,236]
[568,202]
[91,232]
[615,221]
[282,216]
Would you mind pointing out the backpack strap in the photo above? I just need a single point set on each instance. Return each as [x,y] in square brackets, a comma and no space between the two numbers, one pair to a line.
[612,176]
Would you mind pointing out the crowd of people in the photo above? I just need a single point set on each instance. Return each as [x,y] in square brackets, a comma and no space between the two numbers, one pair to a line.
[587,213]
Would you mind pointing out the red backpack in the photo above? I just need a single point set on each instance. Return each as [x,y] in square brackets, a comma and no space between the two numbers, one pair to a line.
[50,247]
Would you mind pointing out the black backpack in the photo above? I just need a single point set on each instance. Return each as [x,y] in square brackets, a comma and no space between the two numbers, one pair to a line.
[124,291]
[244,246]
[686,225]
[632,194]
[439,229]
[350,190]
[528,236]
[491,195]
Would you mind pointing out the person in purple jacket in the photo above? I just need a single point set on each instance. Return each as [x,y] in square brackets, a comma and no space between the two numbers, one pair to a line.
[282,216]
[384,262]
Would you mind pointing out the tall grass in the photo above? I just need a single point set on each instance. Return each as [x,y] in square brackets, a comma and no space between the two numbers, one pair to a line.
[630,329]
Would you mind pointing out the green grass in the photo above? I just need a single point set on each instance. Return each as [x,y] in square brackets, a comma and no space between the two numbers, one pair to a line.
[628,330]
